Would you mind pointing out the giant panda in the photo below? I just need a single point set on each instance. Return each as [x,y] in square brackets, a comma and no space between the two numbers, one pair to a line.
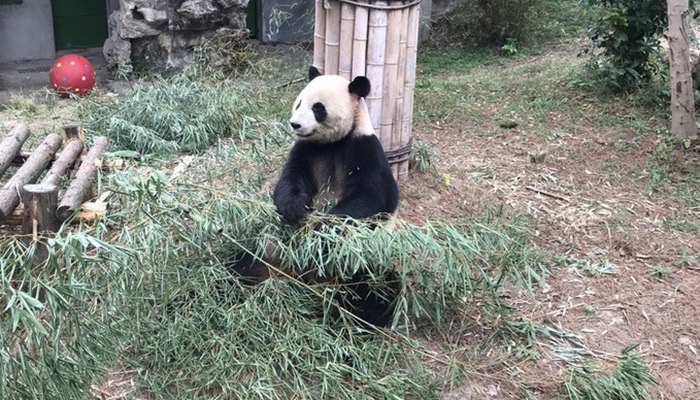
[335,149]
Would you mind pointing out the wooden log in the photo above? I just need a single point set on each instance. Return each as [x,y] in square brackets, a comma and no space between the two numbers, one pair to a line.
[68,157]
[347,29]
[39,219]
[359,41]
[409,82]
[391,71]
[376,42]
[400,79]
[332,55]
[28,173]
[107,165]
[682,98]
[11,145]
[320,36]
[81,185]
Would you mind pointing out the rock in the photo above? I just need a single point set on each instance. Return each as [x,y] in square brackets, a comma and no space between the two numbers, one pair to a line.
[197,9]
[117,52]
[152,15]
[232,3]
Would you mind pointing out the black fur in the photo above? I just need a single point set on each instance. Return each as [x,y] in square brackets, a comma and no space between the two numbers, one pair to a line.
[320,113]
[369,187]
[313,73]
[360,86]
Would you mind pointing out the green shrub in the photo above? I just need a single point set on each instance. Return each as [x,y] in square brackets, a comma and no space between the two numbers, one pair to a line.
[628,32]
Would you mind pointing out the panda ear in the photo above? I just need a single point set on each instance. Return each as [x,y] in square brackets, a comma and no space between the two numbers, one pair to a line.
[360,86]
[313,73]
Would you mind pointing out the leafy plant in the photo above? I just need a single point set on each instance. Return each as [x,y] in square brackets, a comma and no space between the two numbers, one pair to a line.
[625,382]
[628,32]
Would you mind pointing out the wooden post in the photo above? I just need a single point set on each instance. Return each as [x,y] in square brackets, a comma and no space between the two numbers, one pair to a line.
[82,183]
[682,97]
[359,42]
[332,38]
[376,55]
[409,83]
[320,36]
[28,173]
[39,219]
[11,145]
[391,71]
[347,29]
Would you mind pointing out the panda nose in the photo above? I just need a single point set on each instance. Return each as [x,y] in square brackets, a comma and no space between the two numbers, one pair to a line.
[295,126]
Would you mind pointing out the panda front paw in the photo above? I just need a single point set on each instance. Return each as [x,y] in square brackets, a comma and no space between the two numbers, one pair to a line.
[293,210]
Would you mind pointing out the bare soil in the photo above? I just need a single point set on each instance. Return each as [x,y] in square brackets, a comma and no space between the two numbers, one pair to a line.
[579,209]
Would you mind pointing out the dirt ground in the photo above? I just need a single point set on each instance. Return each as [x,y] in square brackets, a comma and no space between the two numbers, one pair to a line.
[610,224]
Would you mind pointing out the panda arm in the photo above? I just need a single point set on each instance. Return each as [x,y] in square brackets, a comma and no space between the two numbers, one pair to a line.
[369,187]
[296,188]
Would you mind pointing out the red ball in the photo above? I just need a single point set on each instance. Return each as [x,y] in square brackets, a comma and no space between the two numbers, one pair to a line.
[72,74]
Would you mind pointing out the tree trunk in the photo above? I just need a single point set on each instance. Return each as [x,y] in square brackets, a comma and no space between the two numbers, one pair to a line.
[682,97]
[39,219]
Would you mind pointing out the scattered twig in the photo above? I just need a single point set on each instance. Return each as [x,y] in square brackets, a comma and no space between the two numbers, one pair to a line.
[544,192]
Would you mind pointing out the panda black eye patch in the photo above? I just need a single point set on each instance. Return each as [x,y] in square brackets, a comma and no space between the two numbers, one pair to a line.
[320,112]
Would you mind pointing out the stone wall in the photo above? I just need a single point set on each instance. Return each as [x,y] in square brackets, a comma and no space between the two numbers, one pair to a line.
[160,35]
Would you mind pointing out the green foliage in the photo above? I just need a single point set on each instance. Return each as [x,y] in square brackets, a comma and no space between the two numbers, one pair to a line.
[508,22]
[625,382]
[628,32]
[183,113]
[55,330]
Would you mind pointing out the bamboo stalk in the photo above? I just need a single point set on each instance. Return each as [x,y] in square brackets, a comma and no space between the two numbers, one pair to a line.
[320,36]
[376,43]
[28,173]
[359,42]
[347,29]
[11,145]
[400,78]
[391,71]
[75,193]
[410,82]
[332,55]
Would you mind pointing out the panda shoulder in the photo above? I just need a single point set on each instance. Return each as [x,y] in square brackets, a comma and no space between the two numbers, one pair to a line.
[363,124]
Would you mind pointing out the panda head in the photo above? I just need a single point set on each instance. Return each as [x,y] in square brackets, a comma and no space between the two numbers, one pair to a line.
[330,107]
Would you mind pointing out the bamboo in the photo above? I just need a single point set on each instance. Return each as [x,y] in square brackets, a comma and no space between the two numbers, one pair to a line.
[400,78]
[376,44]
[320,36]
[391,71]
[347,29]
[75,193]
[409,82]
[332,37]
[359,42]
[28,173]
[11,145]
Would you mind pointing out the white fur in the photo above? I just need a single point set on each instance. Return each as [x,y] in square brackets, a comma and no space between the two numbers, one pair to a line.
[343,109]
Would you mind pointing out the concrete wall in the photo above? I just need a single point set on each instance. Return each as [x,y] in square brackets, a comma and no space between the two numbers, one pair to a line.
[26,31]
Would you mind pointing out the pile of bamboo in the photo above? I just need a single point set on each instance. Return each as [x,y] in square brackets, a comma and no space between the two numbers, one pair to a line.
[377,39]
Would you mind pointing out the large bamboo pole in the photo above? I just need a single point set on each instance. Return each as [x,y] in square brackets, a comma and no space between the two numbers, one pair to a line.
[347,30]
[376,56]
[409,82]
[682,99]
[332,55]
[320,36]
[391,71]
[28,173]
[11,145]
[359,42]
[400,78]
